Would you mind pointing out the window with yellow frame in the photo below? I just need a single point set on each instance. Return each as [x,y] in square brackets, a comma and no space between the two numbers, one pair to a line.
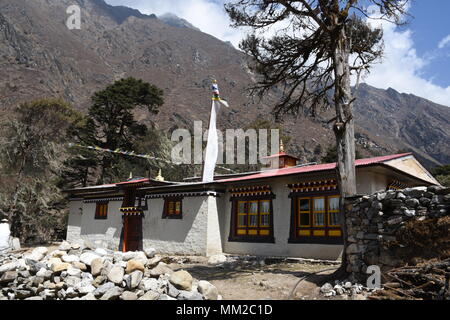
[253,218]
[318,216]
[172,208]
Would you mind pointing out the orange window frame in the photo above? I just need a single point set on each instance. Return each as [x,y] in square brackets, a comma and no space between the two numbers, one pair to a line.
[101,210]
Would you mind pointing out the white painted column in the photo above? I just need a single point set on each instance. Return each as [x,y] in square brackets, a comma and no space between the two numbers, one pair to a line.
[213,238]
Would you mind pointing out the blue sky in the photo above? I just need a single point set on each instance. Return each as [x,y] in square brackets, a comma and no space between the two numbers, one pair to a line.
[416,58]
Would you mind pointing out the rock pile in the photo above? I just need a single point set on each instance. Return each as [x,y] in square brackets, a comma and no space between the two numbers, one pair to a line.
[73,272]
[375,222]
[344,288]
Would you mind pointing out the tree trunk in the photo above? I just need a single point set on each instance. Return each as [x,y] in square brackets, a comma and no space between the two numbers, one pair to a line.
[344,131]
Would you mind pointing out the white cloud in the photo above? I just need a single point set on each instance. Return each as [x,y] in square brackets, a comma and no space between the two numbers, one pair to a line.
[207,15]
[401,67]
[444,42]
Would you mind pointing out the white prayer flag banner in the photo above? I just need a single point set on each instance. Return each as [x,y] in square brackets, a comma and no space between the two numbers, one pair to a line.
[212,145]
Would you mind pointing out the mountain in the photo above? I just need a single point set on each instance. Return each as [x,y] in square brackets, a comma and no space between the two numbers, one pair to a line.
[41,57]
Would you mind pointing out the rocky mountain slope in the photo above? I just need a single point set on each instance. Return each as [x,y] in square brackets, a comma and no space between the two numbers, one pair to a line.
[41,57]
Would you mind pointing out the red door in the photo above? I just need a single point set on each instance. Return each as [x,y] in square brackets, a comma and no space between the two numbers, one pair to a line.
[132,233]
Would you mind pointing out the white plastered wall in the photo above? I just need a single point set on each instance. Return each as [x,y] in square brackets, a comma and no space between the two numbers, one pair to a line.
[177,236]
[102,233]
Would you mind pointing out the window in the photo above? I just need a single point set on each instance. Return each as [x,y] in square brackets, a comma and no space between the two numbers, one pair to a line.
[253,218]
[316,218]
[172,208]
[101,210]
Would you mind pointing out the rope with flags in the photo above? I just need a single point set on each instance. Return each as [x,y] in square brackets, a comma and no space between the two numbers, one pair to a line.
[130,154]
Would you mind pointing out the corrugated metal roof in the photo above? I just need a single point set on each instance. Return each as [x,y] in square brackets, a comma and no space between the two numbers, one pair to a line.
[313,168]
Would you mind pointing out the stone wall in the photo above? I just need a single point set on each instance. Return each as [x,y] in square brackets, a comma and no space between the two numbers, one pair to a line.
[376,227]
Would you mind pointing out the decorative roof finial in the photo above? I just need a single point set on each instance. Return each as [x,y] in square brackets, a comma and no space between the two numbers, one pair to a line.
[159,177]
[215,90]
[281,145]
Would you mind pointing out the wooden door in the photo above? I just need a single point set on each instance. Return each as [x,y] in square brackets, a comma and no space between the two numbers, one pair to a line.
[132,233]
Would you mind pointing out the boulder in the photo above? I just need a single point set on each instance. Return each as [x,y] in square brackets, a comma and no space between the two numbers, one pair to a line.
[89,296]
[115,275]
[326,288]
[79,265]
[133,265]
[150,295]
[128,295]
[70,258]
[37,254]
[166,297]
[181,280]
[134,279]
[96,266]
[87,257]
[150,284]
[103,289]
[65,246]
[153,262]
[150,252]
[101,252]
[44,273]
[217,259]
[58,254]
[8,267]
[189,295]
[172,291]
[112,294]
[72,281]
[208,290]
[71,271]
[160,269]
[8,276]
[60,266]
[128,255]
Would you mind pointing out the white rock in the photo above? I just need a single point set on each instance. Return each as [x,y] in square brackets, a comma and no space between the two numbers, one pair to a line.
[208,290]
[217,259]
[135,279]
[8,266]
[101,252]
[326,288]
[150,252]
[166,297]
[89,296]
[128,255]
[87,257]
[40,250]
[150,284]
[116,275]
[71,271]
[88,288]
[65,246]
[15,243]
[70,258]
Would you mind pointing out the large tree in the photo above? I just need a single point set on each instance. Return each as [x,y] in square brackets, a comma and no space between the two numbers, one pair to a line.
[320,44]
[111,124]
[32,154]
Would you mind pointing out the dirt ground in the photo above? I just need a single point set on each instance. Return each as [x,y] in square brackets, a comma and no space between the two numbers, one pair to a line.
[273,279]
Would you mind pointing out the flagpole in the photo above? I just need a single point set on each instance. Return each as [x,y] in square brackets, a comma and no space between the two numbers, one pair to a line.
[212,144]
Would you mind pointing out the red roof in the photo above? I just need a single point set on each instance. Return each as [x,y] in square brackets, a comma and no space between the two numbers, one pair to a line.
[313,168]
[134,181]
